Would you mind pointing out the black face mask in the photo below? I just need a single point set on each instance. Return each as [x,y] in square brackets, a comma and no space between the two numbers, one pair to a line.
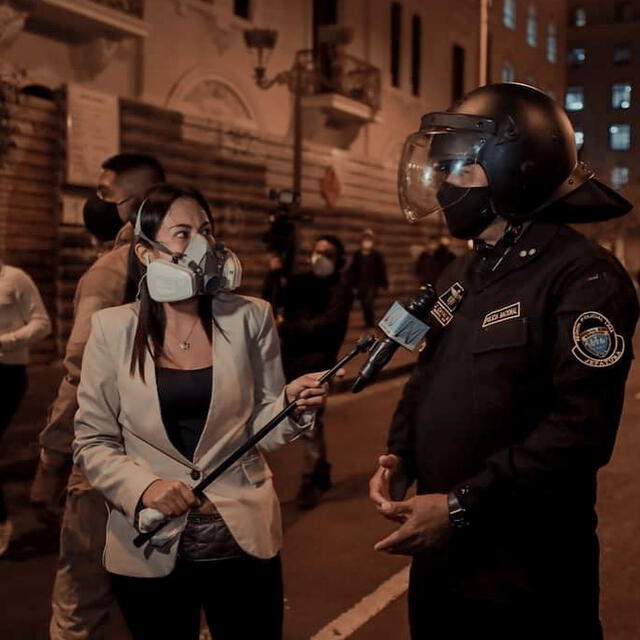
[467,210]
[102,218]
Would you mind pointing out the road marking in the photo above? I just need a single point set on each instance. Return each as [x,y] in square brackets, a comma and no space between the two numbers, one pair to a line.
[350,621]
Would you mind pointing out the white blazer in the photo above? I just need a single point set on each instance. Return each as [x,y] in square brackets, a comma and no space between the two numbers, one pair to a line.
[122,445]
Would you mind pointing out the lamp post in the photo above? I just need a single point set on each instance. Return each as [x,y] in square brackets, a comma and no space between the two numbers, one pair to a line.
[263,41]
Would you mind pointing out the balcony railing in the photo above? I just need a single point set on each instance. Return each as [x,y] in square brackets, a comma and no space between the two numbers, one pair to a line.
[334,72]
[130,7]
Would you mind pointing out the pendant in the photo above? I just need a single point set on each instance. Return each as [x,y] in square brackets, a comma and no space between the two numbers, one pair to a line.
[185,346]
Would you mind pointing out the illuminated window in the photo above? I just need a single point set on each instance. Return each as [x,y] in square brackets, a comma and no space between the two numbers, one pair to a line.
[579,134]
[578,17]
[507,74]
[619,137]
[574,99]
[552,43]
[509,13]
[619,177]
[577,56]
[621,96]
[532,26]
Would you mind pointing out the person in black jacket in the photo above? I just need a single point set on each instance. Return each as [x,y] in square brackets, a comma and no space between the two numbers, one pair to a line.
[367,273]
[516,400]
[430,264]
[313,324]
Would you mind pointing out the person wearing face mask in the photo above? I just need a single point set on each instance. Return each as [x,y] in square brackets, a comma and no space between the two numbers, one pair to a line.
[81,597]
[515,401]
[367,273]
[316,307]
[171,385]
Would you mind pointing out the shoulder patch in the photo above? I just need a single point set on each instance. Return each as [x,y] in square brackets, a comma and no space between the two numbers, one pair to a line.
[596,343]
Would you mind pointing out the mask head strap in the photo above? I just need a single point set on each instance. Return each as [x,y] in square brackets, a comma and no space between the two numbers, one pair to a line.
[138,233]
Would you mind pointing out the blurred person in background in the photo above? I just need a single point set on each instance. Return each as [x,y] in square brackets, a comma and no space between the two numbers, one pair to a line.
[81,596]
[313,324]
[367,274]
[23,321]
[430,264]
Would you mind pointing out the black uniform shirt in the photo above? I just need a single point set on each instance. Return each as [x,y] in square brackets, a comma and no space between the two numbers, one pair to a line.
[516,403]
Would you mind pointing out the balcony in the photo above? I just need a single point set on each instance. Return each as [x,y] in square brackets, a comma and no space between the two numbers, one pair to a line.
[80,21]
[340,93]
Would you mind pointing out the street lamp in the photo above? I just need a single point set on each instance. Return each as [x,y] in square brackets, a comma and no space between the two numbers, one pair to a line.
[263,41]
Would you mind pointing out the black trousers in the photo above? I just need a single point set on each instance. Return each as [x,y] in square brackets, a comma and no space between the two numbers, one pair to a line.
[367,298]
[437,612]
[13,382]
[241,598]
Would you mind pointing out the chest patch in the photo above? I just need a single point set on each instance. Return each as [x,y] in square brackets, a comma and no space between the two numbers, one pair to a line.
[503,314]
[447,304]
[596,343]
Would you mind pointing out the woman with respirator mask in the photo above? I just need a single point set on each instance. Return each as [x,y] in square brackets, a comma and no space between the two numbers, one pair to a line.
[171,385]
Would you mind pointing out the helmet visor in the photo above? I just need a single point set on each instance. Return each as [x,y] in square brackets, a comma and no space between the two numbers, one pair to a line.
[428,160]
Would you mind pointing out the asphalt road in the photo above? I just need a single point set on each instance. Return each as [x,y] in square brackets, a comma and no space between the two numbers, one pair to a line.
[329,562]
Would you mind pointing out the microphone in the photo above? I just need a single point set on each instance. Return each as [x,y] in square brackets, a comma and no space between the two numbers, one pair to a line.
[405,327]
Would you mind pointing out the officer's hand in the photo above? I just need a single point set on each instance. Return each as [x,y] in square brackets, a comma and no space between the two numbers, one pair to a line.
[426,524]
[389,482]
[170,497]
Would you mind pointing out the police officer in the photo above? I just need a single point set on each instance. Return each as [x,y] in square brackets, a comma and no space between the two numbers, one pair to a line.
[516,400]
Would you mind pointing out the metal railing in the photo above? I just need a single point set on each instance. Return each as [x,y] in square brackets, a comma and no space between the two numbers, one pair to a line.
[341,73]
[131,7]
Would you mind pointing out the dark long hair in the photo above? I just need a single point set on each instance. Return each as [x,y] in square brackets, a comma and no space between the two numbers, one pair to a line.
[152,321]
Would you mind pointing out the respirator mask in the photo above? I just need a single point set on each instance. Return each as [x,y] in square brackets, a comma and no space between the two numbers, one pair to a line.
[203,269]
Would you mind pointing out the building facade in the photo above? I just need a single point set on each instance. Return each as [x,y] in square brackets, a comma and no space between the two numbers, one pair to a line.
[602,98]
[176,78]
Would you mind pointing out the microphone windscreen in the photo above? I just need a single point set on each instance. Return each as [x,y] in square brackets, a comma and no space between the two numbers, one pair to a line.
[402,327]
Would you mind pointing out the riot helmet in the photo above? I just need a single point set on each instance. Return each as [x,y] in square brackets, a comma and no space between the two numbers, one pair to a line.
[525,144]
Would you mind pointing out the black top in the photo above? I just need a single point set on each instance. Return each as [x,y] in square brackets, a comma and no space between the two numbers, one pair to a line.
[516,406]
[316,314]
[367,271]
[185,396]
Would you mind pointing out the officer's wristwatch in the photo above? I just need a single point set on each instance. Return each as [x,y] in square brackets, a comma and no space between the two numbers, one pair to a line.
[457,513]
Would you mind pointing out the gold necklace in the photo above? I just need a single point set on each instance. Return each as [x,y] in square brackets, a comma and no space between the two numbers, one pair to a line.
[184,345]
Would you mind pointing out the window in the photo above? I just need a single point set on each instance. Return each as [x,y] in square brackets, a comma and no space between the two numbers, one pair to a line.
[622,53]
[577,56]
[574,99]
[620,137]
[509,13]
[457,73]
[532,26]
[242,8]
[619,177]
[623,12]
[507,73]
[552,43]
[621,95]
[579,134]
[578,17]
[416,54]
[396,24]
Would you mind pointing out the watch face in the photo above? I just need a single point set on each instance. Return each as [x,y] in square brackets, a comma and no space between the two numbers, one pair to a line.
[457,513]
